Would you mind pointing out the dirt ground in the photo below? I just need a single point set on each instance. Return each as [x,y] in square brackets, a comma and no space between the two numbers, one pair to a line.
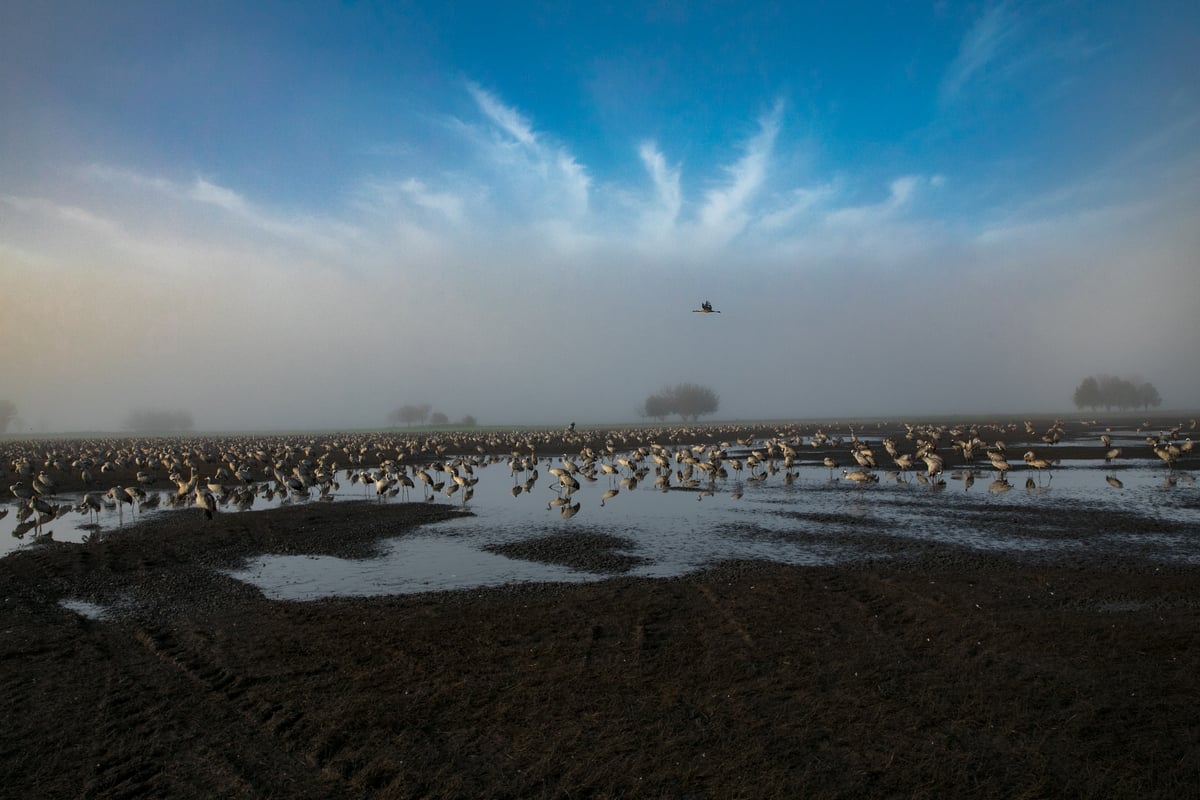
[943,674]
[932,673]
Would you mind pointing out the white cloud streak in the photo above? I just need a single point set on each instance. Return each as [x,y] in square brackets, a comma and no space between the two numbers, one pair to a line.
[983,45]
[521,159]
[726,212]
[506,118]
[660,217]
[474,290]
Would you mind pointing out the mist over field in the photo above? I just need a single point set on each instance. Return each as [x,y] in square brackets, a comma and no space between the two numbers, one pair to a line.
[303,216]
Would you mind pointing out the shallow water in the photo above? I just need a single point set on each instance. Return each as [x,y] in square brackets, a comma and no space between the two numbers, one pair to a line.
[811,520]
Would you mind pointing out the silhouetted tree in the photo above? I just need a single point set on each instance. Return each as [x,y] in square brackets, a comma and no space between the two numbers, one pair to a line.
[657,406]
[8,410]
[693,400]
[1113,392]
[688,400]
[1118,392]
[1148,396]
[468,421]
[410,413]
[1087,394]
[438,418]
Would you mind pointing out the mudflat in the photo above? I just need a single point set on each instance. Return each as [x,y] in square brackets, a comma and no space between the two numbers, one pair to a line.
[932,673]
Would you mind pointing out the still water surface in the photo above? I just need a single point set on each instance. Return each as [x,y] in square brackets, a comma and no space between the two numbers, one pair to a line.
[811,520]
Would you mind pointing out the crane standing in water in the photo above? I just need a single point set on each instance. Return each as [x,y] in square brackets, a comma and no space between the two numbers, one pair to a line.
[1039,464]
[206,501]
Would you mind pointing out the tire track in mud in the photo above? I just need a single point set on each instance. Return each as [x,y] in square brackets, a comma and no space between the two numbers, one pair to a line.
[875,607]
[125,710]
[141,739]
[145,742]
[730,620]
[282,728]
[141,700]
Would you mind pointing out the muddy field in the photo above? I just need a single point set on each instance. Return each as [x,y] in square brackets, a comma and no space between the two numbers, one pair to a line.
[932,675]
[133,666]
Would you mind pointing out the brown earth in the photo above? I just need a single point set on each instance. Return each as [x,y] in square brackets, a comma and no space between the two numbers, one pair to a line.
[938,674]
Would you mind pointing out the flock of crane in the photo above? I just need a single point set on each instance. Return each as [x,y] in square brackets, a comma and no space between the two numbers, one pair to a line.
[211,473]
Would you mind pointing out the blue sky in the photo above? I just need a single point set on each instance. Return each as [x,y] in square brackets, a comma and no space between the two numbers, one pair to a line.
[306,214]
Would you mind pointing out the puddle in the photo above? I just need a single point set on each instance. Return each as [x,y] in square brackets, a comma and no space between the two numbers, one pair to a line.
[807,519]
[85,609]
[810,521]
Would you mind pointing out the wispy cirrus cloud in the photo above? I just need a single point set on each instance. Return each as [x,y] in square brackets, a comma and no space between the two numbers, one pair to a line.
[986,42]
[900,193]
[522,158]
[515,183]
[660,218]
[793,207]
[65,236]
[1003,46]
[66,213]
[325,235]
[448,204]
[505,117]
[726,210]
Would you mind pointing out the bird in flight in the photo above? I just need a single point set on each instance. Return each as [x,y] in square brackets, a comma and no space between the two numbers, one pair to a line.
[705,308]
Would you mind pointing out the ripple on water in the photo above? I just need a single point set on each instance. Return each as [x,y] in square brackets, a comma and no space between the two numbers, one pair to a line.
[643,531]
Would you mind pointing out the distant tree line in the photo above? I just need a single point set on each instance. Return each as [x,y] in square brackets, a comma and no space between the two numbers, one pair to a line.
[157,421]
[688,400]
[412,413]
[8,411]
[1112,392]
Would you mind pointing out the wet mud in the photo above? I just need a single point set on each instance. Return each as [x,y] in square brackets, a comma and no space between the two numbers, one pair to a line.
[928,673]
